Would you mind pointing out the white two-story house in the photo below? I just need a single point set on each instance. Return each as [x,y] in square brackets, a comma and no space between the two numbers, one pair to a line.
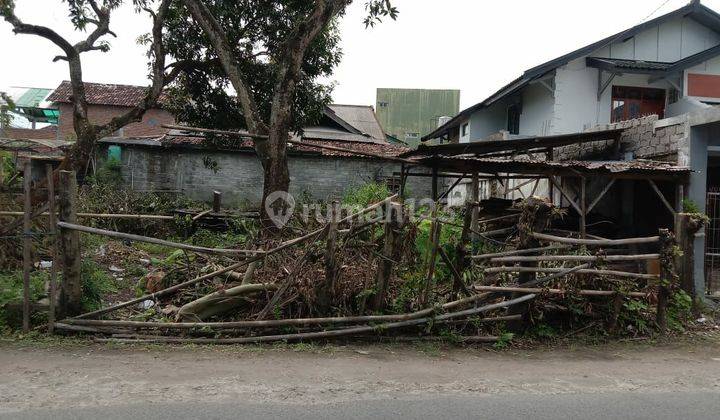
[667,66]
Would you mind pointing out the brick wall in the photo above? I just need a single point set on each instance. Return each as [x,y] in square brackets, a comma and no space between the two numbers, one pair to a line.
[240,176]
[645,138]
[100,114]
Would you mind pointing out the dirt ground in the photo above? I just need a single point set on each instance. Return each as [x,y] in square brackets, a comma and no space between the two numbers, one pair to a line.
[71,373]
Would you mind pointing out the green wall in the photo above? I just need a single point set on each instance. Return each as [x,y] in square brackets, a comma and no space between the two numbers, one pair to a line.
[403,111]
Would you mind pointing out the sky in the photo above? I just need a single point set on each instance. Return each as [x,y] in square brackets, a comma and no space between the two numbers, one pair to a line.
[475,46]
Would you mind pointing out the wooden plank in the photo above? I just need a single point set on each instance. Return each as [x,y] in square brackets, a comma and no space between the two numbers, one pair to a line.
[497,289]
[518,252]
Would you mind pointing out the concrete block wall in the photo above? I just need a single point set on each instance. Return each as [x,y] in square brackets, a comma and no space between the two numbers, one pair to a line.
[645,138]
[239,176]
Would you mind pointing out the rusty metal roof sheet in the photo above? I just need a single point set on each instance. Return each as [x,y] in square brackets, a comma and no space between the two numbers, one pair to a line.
[628,169]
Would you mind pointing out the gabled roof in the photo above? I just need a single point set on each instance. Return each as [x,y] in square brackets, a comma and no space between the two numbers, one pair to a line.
[362,118]
[694,10]
[102,94]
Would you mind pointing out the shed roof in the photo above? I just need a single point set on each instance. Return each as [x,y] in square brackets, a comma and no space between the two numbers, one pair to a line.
[694,10]
[633,169]
[515,145]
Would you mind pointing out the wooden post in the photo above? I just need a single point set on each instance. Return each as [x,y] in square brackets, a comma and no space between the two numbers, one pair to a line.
[686,226]
[435,184]
[461,249]
[71,289]
[403,180]
[327,288]
[27,245]
[52,230]
[667,276]
[475,197]
[583,207]
[435,230]
[390,254]
[217,199]
[534,218]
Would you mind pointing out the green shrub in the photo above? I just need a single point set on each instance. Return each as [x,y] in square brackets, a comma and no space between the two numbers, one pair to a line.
[96,284]
[11,289]
[366,194]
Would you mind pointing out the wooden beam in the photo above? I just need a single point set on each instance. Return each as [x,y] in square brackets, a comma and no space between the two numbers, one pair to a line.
[559,270]
[662,197]
[596,242]
[583,207]
[52,230]
[601,195]
[27,244]
[565,194]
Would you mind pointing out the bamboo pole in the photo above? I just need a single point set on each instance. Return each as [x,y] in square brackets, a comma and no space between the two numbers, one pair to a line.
[583,258]
[100,215]
[336,333]
[557,291]
[558,270]
[52,229]
[138,238]
[275,323]
[27,245]
[519,252]
[596,242]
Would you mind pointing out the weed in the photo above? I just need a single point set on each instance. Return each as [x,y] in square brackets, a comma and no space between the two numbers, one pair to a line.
[504,340]
[11,290]
[96,284]
[366,194]
[428,348]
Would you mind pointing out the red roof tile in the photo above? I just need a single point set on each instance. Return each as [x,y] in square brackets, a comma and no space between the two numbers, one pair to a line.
[102,94]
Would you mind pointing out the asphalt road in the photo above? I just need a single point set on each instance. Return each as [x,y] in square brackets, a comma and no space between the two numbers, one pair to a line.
[656,406]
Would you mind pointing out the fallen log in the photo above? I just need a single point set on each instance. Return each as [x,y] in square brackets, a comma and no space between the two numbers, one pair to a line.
[220,301]
[595,242]
[558,291]
[581,258]
[138,238]
[582,271]
[277,322]
[328,334]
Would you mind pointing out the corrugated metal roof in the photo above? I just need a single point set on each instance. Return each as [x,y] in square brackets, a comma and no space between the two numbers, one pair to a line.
[631,169]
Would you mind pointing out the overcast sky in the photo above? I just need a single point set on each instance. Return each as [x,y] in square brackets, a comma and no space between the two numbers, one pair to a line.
[472,45]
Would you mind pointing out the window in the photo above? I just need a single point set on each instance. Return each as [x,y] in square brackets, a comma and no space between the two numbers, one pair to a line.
[513,119]
[412,135]
[382,104]
[633,102]
[464,130]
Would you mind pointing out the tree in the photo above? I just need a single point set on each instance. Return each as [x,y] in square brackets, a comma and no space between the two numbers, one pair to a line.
[271,53]
[86,14]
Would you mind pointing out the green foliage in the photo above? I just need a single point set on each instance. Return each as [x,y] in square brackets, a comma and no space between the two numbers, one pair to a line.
[544,331]
[108,173]
[504,340]
[689,206]
[635,315]
[367,194]
[679,310]
[7,163]
[96,283]
[11,289]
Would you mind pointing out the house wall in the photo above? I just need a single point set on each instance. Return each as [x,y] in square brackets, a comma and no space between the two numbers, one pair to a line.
[537,111]
[100,114]
[240,175]
[575,106]
[488,121]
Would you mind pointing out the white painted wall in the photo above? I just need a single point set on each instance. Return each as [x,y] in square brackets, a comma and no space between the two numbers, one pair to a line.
[537,111]
[488,121]
[575,106]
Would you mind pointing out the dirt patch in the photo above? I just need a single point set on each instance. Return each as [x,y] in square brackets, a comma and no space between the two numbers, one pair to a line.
[80,374]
